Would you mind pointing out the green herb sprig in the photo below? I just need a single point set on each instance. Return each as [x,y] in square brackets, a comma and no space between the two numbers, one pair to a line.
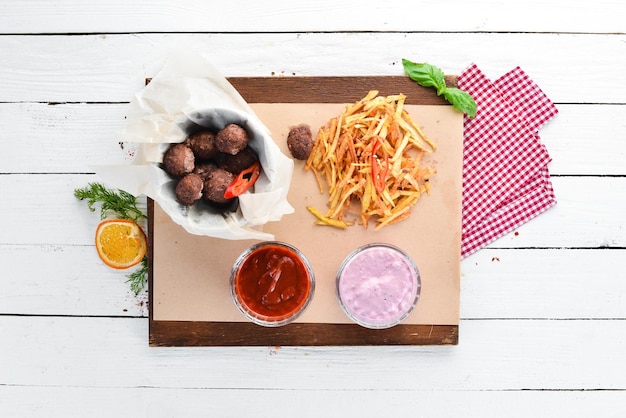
[138,278]
[122,203]
[430,76]
[124,206]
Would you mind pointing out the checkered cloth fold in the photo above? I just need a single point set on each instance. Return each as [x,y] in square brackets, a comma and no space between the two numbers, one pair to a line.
[506,181]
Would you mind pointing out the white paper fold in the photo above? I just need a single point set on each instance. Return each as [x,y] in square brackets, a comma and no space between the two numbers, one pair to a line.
[187,93]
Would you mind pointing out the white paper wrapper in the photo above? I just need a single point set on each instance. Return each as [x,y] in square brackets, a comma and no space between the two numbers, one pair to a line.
[188,92]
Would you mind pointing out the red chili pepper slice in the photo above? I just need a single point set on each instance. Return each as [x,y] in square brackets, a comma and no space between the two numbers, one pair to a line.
[243,181]
[379,174]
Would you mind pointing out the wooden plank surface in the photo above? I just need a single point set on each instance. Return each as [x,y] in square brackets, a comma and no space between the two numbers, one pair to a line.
[316,89]
[114,16]
[48,127]
[192,402]
[58,68]
[494,355]
[598,212]
[543,312]
[190,333]
[212,333]
[207,333]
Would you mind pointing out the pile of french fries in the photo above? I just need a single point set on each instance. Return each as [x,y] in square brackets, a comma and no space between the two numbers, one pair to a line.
[370,158]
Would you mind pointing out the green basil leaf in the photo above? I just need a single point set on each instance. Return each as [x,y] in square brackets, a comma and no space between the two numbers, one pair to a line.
[430,76]
[425,75]
[461,100]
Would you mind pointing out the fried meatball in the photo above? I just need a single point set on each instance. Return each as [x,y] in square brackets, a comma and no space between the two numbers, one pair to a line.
[203,145]
[232,139]
[216,184]
[238,162]
[204,170]
[300,142]
[179,160]
[189,189]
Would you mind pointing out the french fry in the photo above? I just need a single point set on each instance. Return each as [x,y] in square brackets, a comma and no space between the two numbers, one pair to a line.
[371,156]
[325,220]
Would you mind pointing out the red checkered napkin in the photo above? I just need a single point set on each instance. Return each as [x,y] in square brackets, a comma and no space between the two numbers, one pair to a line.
[505,175]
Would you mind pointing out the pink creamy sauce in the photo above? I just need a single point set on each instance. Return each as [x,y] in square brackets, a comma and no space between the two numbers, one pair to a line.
[378,286]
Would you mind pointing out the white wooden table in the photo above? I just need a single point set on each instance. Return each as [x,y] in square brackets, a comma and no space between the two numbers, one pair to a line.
[543,310]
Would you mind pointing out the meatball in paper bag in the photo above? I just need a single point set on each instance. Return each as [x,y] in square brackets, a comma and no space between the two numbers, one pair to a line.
[189,106]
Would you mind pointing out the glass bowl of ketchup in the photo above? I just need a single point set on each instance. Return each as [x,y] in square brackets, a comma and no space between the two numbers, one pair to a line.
[378,285]
[272,283]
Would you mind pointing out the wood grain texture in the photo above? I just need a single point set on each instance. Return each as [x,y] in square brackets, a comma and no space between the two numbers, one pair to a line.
[303,90]
[58,68]
[493,355]
[226,402]
[522,283]
[74,137]
[84,286]
[188,333]
[543,310]
[74,16]
[588,214]
[333,89]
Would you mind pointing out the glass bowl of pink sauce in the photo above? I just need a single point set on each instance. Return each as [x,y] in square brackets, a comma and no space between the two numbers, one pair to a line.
[378,285]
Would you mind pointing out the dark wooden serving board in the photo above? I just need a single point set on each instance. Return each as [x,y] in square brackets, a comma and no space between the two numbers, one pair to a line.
[166,332]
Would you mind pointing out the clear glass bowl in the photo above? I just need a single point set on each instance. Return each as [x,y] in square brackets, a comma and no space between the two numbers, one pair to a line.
[378,285]
[272,283]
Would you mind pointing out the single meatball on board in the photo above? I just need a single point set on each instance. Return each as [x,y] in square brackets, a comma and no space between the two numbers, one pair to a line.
[300,142]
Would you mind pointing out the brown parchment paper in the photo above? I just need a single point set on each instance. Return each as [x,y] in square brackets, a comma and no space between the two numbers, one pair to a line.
[191,273]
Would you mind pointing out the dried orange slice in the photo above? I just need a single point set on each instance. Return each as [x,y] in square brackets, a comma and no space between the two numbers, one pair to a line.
[120,243]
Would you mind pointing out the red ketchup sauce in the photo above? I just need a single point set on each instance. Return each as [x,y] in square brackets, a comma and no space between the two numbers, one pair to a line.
[272,283]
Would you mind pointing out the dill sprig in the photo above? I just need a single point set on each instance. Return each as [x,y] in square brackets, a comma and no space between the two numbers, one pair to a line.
[121,202]
[124,205]
[138,278]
